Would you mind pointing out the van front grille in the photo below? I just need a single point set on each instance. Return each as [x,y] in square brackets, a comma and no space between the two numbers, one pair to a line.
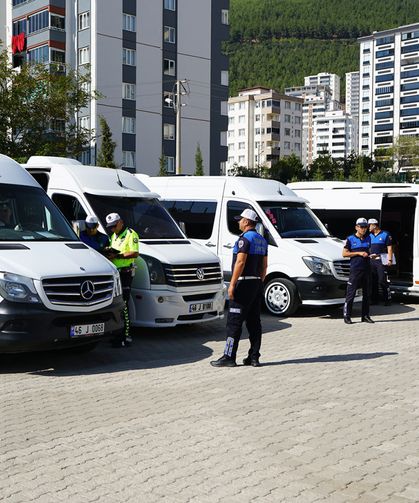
[193,274]
[341,269]
[78,290]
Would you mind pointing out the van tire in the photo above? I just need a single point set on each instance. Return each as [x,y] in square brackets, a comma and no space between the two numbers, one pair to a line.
[281,297]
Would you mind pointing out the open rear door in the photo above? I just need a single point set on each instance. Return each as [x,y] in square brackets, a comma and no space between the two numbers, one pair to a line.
[398,217]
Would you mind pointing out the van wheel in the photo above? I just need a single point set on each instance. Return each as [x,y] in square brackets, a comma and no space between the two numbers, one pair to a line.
[281,297]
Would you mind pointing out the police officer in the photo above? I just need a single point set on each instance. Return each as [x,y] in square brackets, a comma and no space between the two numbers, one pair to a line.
[250,258]
[381,255]
[357,247]
[123,252]
[91,235]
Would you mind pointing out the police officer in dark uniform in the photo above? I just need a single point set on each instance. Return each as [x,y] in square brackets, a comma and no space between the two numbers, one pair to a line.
[381,255]
[357,247]
[250,259]
[91,235]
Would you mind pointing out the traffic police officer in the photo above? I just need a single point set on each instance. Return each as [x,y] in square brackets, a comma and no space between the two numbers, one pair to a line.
[123,252]
[357,247]
[250,259]
[92,237]
[381,255]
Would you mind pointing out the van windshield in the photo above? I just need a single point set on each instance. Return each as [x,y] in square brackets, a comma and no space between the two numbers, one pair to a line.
[146,216]
[28,214]
[293,220]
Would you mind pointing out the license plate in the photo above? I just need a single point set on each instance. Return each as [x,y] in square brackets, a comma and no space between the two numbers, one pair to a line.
[87,330]
[203,306]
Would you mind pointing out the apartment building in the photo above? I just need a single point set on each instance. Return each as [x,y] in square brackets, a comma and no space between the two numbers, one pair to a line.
[333,132]
[389,87]
[136,51]
[263,126]
[317,99]
[352,105]
[325,79]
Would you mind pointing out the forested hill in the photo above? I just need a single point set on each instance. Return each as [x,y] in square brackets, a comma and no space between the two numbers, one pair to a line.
[275,43]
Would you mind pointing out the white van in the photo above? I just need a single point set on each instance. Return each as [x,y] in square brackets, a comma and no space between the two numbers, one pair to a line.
[305,264]
[55,292]
[176,281]
[394,205]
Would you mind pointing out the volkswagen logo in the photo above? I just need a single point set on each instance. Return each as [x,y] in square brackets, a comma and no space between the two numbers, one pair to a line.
[87,290]
[200,274]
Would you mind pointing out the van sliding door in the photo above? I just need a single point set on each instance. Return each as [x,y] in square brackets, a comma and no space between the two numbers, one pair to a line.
[398,217]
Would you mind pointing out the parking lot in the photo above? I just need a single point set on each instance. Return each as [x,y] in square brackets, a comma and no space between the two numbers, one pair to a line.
[332,415]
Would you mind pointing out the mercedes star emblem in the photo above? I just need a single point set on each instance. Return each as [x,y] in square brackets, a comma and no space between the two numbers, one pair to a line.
[87,290]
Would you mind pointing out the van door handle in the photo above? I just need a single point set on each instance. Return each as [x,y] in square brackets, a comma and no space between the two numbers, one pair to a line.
[228,245]
[210,245]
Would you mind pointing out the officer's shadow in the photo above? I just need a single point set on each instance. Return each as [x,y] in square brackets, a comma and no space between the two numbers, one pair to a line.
[331,358]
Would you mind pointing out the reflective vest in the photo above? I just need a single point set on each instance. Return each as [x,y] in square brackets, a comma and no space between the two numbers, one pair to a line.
[127,241]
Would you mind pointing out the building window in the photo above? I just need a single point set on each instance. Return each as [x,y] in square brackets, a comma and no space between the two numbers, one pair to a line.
[128,91]
[169,163]
[297,133]
[128,125]
[231,107]
[257,118]
[224,108]
[129,22]
[57,56]
[128,57]
[224,16]
[287,145]
[84,56]
[170,4]
[297,146]
[297,120]
[84,122]
[39,55]
[287,105]
[287,132]
[169,35]
[38,21]
[128,159]
[169,67]
[230,146]
[297,106]
[84,20]
[241,159]
[169,131]
[224,78]
[230,134]
[242,145]
[242,119]
[168,99]
[57,22]
[287,118]
[242,132]
[223,138]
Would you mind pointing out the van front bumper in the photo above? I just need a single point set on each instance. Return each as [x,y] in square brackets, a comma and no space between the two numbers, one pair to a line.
[32,327]
[318,290]
[164,308]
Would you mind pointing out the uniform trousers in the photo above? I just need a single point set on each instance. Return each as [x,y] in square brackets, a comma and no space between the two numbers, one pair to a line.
[245,308]
[126,281]
[358,278]
[379,278]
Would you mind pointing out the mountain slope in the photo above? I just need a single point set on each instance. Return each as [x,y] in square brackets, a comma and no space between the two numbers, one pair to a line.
[275,43]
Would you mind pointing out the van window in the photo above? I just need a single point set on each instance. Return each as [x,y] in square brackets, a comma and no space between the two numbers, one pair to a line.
[70,207]
[234,209]
[293,220]
[28,214]
[42,179]
[198,216]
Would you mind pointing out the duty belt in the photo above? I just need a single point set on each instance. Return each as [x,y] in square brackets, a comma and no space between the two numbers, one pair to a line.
[241,278]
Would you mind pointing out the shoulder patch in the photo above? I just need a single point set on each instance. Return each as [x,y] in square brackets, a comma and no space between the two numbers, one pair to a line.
[240,243]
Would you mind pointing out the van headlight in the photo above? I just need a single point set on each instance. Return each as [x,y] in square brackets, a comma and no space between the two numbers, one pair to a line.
[317,265]
[117,285]
[16,288]
[155,270]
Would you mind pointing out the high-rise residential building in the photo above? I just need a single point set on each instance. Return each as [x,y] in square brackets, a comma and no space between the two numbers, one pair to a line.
[333,133]
[136,52]
[325,79]
[389,63]
[317,99]
[263,126]
[352,105]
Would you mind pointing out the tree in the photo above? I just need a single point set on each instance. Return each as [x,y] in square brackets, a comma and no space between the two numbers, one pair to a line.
[324,167]
[358,172]
[162,166]
[405,152]
[199,163]
[38,106]
[105,157]
[286,169]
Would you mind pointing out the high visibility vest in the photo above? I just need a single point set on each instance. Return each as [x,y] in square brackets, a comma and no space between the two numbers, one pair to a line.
[127,241]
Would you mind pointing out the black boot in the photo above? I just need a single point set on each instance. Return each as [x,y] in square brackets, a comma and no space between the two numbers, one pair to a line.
[224,361]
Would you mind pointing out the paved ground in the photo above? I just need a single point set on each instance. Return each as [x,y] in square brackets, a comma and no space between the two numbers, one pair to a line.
[331,416]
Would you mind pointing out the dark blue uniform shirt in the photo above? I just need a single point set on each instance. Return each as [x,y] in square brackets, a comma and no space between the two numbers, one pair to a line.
[98,242]
[356,244]
[380,242]
[256,248]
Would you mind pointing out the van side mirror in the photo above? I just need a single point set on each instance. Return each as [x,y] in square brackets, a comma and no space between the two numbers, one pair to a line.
[260,229]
